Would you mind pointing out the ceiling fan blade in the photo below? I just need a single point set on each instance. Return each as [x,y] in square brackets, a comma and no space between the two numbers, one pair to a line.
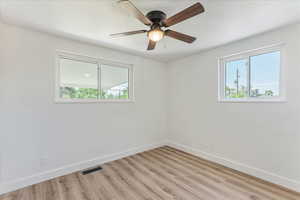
[151,45]
[185,14]
[180,36]
[128,33]
[135,12]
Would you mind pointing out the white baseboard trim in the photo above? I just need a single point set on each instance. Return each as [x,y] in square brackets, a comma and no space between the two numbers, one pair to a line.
[27,181]
[37,178]
[262,174]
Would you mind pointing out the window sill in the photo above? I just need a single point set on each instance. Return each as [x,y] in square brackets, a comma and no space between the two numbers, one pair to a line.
[88,101]
[248,100]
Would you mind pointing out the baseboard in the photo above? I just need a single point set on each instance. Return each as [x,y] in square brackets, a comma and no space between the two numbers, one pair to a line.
[262,174]
[37,178]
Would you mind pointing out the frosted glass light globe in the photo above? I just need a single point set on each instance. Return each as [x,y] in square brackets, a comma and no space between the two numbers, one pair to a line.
[155,35]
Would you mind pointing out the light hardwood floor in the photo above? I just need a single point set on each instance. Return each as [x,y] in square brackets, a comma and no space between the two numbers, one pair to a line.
[160,174]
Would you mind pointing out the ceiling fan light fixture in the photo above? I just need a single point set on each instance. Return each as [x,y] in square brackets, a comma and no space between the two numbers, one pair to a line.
[156,34]
[157,21]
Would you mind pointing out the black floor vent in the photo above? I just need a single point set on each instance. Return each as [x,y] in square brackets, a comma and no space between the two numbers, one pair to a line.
[91,170]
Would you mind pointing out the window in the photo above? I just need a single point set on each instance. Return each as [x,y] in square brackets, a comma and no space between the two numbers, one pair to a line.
[84,79]
[252,76]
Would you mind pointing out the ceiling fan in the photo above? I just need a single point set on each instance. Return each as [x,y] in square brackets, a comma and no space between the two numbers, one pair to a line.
[157,20]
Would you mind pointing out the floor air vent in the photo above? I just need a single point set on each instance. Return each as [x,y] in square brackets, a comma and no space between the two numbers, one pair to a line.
[91,170]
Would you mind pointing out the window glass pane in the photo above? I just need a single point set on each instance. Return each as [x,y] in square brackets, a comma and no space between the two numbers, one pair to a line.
[114,82]
[265,74]
[78,80]
[236,79]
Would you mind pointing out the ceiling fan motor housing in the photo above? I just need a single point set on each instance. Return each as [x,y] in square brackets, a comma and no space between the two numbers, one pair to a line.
[156,16]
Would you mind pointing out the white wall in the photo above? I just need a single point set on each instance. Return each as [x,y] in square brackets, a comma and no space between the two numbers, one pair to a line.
[260,136]
[33,127]
[265,136]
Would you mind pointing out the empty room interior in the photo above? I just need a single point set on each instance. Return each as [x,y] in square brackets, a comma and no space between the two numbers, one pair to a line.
[149,100]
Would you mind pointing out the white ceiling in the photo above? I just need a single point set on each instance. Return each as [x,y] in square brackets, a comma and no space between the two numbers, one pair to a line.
[93,20]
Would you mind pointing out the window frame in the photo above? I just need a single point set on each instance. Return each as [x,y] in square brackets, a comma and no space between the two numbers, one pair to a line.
[247,55]
[99,61]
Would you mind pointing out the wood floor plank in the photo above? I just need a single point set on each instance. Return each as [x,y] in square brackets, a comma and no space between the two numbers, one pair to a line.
[251,181]
[207,174]
[114,187]
[235,180]
[161,174]
[124,185]
[69,188]
[146,192]
[168,186]
[171,180]
[148,180]
[47,190]
[219,189]
[182,176]
[145,180]
[103,186]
